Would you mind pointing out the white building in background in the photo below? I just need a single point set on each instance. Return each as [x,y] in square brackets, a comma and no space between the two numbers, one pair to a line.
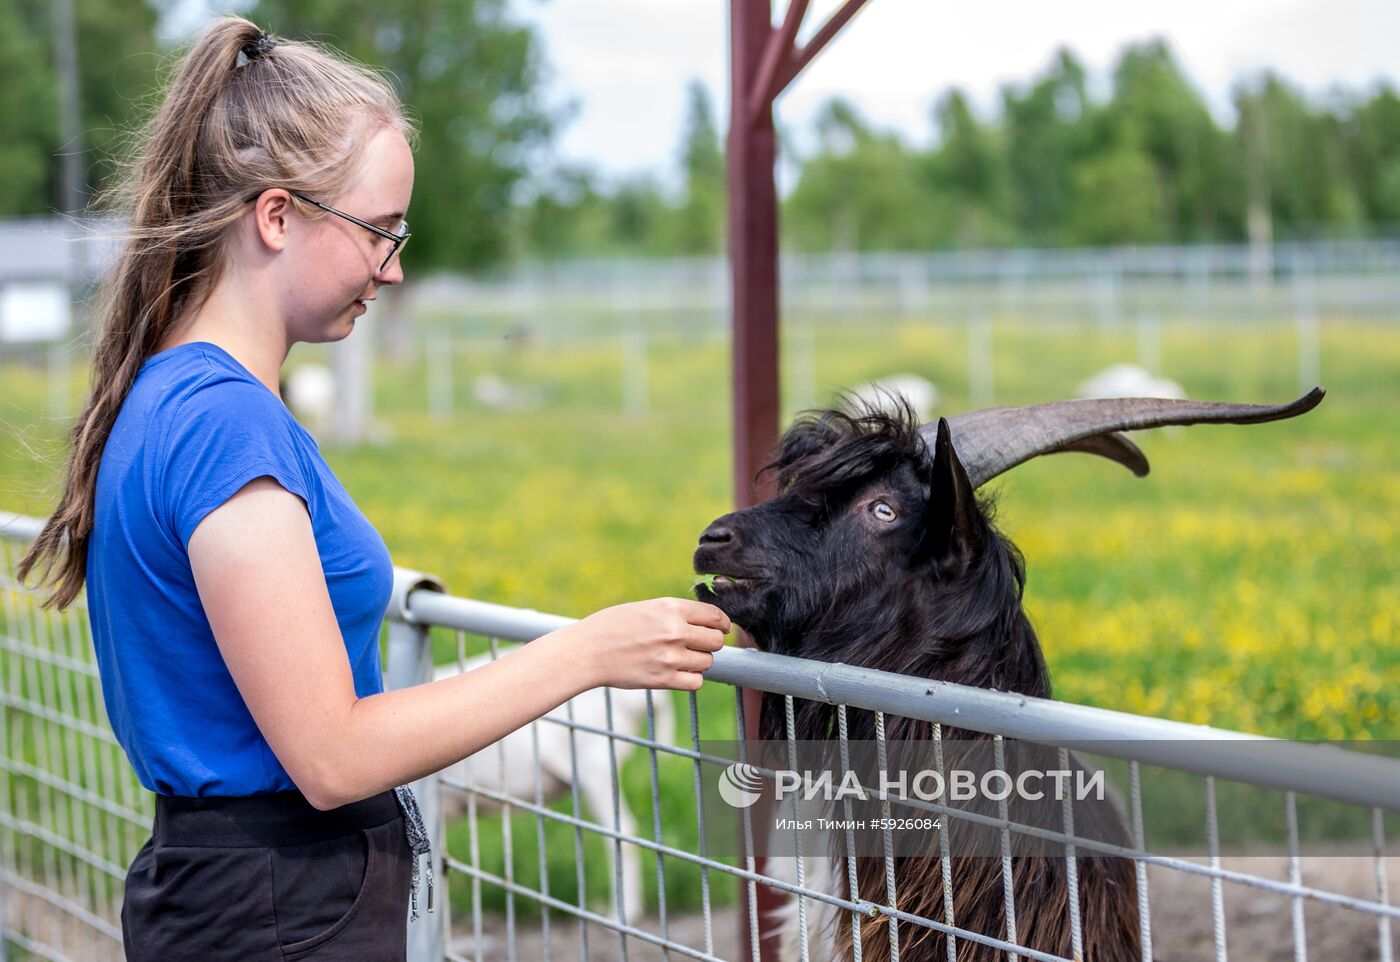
[43,262]
[33,311]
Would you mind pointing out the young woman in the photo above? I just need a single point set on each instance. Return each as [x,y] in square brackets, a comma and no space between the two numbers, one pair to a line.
[235,591]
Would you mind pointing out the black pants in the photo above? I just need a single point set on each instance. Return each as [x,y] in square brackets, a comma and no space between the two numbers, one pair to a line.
[269,877]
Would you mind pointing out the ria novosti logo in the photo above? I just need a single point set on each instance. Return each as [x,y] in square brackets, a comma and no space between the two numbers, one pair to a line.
[740,785]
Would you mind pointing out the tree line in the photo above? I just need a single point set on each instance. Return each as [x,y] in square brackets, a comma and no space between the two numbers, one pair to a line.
[470,73]
[1147,163]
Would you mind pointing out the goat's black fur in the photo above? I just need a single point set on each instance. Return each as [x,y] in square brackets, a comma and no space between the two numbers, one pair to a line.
[877,552]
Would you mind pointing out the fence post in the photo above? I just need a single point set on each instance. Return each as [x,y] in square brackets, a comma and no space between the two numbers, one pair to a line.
[1305,320]
[353,361]
[439,360]
[1149,338]
[58,376]
[411,663]
[636,402]
[804,363]
[980,360]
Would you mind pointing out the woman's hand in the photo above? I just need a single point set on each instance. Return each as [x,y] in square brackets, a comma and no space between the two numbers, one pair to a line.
[660,643]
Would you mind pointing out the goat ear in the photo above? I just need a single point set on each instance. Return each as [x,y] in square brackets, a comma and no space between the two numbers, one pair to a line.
[951,518]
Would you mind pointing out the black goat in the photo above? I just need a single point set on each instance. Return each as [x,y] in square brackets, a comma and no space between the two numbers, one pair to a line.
[876,551]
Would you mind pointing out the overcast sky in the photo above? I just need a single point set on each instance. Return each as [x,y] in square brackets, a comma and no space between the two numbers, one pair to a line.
[626,62]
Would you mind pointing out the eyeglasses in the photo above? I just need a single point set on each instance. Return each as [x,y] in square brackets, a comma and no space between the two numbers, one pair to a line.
[398,239]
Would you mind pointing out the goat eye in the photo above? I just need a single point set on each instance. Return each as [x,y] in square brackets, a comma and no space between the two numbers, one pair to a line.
[882,511]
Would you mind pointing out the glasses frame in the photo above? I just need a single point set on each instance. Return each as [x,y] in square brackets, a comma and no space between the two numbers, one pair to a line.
[399,240]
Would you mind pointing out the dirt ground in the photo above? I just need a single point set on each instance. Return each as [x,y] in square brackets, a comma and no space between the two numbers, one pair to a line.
[1258,923]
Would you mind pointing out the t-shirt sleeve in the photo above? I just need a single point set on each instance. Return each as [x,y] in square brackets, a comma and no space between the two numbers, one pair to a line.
[223,435]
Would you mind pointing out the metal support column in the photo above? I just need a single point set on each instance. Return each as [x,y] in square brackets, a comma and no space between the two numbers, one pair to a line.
[411,663]
[763,60]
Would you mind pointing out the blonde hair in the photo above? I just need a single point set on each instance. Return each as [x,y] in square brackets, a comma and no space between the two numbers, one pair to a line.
[230,125]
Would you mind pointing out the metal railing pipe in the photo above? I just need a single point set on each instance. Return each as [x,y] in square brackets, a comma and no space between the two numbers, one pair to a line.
[1273,763]
[1350,777]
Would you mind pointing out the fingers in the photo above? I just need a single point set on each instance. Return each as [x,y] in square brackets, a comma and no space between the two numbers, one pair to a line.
[686,681]
[704,639]
[694,661]
[702,614]
[664,642]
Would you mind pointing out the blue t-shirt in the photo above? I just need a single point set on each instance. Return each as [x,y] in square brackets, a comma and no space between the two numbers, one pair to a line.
[194,429]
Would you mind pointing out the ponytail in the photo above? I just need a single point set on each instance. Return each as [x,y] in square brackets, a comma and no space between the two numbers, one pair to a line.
[243,113]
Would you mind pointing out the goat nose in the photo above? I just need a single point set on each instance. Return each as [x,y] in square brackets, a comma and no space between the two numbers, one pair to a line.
[717,534]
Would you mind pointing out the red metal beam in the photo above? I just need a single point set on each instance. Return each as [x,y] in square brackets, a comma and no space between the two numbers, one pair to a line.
[753,266]
[763,61]
[814,46]
[753,252]
[776,56]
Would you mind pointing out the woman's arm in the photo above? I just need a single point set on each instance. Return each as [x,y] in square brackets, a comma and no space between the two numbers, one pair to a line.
[260,580]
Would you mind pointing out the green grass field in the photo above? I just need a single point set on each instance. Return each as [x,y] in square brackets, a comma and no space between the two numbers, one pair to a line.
[1250,582]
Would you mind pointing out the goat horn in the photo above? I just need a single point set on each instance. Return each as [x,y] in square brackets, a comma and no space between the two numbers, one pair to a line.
[994,440]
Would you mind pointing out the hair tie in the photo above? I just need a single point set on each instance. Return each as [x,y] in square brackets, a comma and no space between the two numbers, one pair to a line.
[255,49]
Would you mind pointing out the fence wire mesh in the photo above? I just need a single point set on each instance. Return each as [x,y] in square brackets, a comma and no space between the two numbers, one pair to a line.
[586,834]
[72,813]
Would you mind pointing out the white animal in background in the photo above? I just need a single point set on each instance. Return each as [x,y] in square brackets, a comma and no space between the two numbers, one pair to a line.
[495,392]
[310,394]
[1129,380]
[556,768]
[879,394]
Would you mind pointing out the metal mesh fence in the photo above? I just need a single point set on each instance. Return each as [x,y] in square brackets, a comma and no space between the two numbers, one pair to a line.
[591,833]
[1215,899]
[72,814]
